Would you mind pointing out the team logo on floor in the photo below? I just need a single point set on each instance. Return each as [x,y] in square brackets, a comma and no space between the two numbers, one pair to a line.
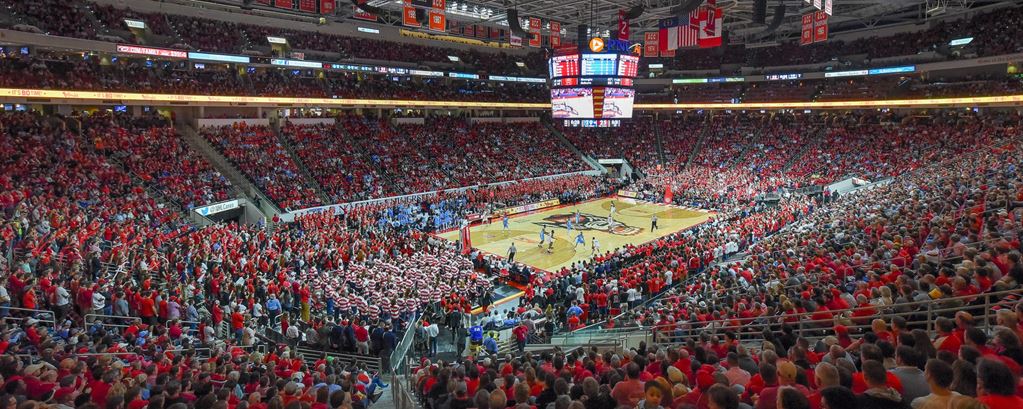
[588,221]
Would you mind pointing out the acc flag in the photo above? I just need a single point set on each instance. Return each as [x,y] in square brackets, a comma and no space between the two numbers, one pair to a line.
[711,20]
[806,35]
[555,34]
[820,27]
[408,17]
[623,26]
[650,44]
[535,26]
[438,21]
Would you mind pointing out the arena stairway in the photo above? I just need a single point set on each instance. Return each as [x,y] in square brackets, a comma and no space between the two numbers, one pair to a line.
[242,185]
[586,158]
[308,177]
[696,147]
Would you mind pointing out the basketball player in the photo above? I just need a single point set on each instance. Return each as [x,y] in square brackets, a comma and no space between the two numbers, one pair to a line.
[579,239]
[550,246]
[543,236]
[504,221]
[568,227]
[486,217]
[653,222]
[577,216]
[595,246]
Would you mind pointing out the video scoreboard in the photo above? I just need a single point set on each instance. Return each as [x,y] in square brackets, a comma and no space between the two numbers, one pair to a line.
[593,87]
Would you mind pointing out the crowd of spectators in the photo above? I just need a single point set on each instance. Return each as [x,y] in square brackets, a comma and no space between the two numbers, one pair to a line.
[834,310]
[256,151]
[150,148]
[635,141]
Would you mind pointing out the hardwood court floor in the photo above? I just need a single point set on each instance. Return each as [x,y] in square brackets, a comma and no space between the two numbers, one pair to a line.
[631,226]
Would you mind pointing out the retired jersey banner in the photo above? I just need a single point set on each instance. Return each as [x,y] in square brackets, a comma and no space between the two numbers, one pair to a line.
[820,27]
[806,34]
[307,5]
[440,4]
[711,22]
[623,26]
[535,26]
[829,6]
[284,4]
[408,17]
[438,21]
[555,34]
[650,44]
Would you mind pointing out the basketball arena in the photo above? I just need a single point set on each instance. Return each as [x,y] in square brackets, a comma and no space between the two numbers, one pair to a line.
[515,204]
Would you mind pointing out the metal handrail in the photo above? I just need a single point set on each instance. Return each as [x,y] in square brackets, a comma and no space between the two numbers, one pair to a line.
[804,326]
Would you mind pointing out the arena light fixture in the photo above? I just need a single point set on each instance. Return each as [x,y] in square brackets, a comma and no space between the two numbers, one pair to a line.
[151,99]
[369,30]
[520,64]
[276,40]
[960,41]
[454,58]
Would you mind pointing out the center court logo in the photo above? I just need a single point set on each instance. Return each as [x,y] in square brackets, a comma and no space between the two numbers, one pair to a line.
[589,221]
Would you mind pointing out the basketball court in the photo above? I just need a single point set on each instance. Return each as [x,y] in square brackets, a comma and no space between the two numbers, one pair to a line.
[631,225]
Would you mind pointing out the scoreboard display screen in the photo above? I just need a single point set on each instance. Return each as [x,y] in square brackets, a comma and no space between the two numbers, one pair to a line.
[618,102]
[599,65]
[572,103]
[564,66]
[592,86]
[628,66]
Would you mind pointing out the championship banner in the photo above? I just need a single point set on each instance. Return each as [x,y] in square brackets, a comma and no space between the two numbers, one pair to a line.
[326,6]
[283,4]
[829,6]
[469,30]
[308,6]
[440,4]
[623,26]
[806,35]
[438,21]
[555,34]
[535,26]
[408,17]
[650,44]
[817,4]
[820,31]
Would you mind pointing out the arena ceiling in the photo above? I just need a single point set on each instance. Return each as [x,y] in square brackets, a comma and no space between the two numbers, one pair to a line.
[602,14]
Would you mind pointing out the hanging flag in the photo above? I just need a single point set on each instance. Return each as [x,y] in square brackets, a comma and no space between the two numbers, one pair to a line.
[829,6]
[439,4]
[535,26]
[806,35]
[514,40]
[820,30]
[650,44]
[673,35]
[710,28]
[469,30]
[817,4]
[408,17]
[623,26]
[555,34]
[438,21]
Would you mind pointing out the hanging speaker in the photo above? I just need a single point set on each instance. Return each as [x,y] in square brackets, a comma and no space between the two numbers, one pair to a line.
[514,26]
[687,6]
[759,11]
[634,12]
[779,17]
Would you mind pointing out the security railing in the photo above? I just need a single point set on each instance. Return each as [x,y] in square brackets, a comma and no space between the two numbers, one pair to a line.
[918,314]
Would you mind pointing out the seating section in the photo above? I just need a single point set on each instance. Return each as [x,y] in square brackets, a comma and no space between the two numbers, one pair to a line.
[635,141]
[153,151]
[256,151]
